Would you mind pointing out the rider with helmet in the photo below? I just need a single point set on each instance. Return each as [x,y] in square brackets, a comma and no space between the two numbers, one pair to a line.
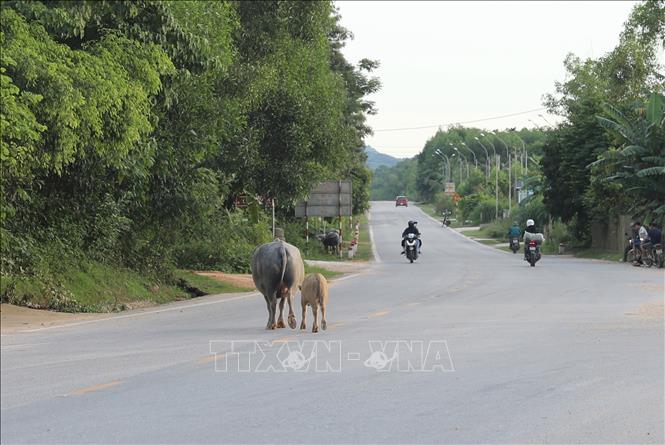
[530,228]
[412,229]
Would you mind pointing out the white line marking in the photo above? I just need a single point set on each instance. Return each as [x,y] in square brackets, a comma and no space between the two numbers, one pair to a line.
[158,311]
[494,249]
[139,314]
[375,253]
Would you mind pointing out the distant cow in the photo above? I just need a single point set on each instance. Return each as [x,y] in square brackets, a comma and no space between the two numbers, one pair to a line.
[278,272]
[314,293]
[332,241]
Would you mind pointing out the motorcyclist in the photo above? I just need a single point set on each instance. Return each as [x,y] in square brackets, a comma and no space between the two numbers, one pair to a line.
[411,229]
[641,239]
[655,233]
[514,231]
[530,228]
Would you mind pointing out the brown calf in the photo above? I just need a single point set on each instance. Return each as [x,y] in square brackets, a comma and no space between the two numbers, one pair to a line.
[314,292]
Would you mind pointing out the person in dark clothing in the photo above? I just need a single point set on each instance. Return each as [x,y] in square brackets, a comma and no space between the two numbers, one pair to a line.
[514,231]
[412,229]
[655,234]
[629,247]
[530,228]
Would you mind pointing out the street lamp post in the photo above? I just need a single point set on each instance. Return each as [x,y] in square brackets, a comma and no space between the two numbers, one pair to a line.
[444,158]
[487,159]
[475,159]
[496,180]
[457,150]
[510,182]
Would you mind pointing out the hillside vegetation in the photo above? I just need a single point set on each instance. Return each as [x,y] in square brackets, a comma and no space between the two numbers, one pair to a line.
[129,128]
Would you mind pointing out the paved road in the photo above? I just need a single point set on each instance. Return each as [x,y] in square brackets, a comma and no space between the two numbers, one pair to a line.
[563,352]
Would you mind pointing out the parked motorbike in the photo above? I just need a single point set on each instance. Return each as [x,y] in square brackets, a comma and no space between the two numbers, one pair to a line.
[533,252]
[445,222]
[411,247]
[514,244]
[648,254]
[658,255]
[629,253]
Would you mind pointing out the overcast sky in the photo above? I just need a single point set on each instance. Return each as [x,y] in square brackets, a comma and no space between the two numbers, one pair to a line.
[448,62]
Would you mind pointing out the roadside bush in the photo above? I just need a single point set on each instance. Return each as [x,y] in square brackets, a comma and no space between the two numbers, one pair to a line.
[226,245]
[442,202]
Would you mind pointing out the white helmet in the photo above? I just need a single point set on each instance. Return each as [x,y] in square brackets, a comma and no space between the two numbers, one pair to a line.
[530,222]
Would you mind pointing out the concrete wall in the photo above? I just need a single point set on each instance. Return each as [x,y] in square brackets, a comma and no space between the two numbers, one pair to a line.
[609,234]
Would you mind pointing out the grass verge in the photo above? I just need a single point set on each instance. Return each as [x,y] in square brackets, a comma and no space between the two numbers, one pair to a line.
[96,287]
[202,285]
[314,249]
[598,255]
[329,274]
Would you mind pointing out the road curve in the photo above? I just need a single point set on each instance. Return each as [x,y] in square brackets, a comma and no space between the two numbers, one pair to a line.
[467,345]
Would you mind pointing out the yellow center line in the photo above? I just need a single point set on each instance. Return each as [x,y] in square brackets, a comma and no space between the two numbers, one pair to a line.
[284,339]
[210,358]
[95,388]
[379,314]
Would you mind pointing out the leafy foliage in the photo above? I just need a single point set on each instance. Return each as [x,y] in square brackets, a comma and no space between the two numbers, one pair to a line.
[128,128]
[637,165]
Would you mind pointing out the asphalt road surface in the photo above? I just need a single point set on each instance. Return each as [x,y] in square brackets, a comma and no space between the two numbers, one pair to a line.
[467,345]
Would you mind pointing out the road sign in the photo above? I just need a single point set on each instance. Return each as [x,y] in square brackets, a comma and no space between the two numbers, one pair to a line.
[450,189]
[327,199]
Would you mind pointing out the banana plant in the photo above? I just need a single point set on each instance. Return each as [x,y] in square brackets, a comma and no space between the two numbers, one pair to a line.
[637,163]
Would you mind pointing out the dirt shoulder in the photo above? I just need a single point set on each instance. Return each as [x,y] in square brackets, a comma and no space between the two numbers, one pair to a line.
[15,319]
[241,280]
[18,318]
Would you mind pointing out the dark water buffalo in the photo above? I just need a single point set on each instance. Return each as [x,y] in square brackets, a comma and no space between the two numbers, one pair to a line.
[332,241]
[278,271]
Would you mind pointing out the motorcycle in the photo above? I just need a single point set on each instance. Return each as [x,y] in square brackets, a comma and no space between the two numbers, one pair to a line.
[514,244]
[630,254]
[533,252]
[658,253]
[446,222]
[411,247]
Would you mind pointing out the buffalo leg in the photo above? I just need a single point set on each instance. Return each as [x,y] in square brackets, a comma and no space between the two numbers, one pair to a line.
[280,321]
[272,306]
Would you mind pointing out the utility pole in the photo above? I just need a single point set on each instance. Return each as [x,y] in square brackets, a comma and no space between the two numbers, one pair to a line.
[510,185]
[496,187]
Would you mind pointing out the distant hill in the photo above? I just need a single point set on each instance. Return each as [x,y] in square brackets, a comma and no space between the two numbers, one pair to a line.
[376,159]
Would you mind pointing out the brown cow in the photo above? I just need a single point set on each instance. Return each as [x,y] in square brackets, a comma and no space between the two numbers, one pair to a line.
[314,293]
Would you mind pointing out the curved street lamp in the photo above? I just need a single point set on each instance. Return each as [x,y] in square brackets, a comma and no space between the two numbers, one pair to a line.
[487,158]
[465,161]
[443,157]
[496,180]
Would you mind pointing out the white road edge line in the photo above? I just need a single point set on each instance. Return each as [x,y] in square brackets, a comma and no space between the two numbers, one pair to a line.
[375,253]
[493,249]
[158,311]
[139,314]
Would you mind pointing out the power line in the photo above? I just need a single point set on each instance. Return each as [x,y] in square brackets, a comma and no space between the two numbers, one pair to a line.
[464,122]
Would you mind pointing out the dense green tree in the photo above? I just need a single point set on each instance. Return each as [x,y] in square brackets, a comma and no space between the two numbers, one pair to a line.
[128,127]
[623,76]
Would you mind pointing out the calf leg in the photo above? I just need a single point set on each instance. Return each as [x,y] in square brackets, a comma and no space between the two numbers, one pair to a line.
[304,315]
[292,315]
[324,323]
[280,321]
[315,326]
